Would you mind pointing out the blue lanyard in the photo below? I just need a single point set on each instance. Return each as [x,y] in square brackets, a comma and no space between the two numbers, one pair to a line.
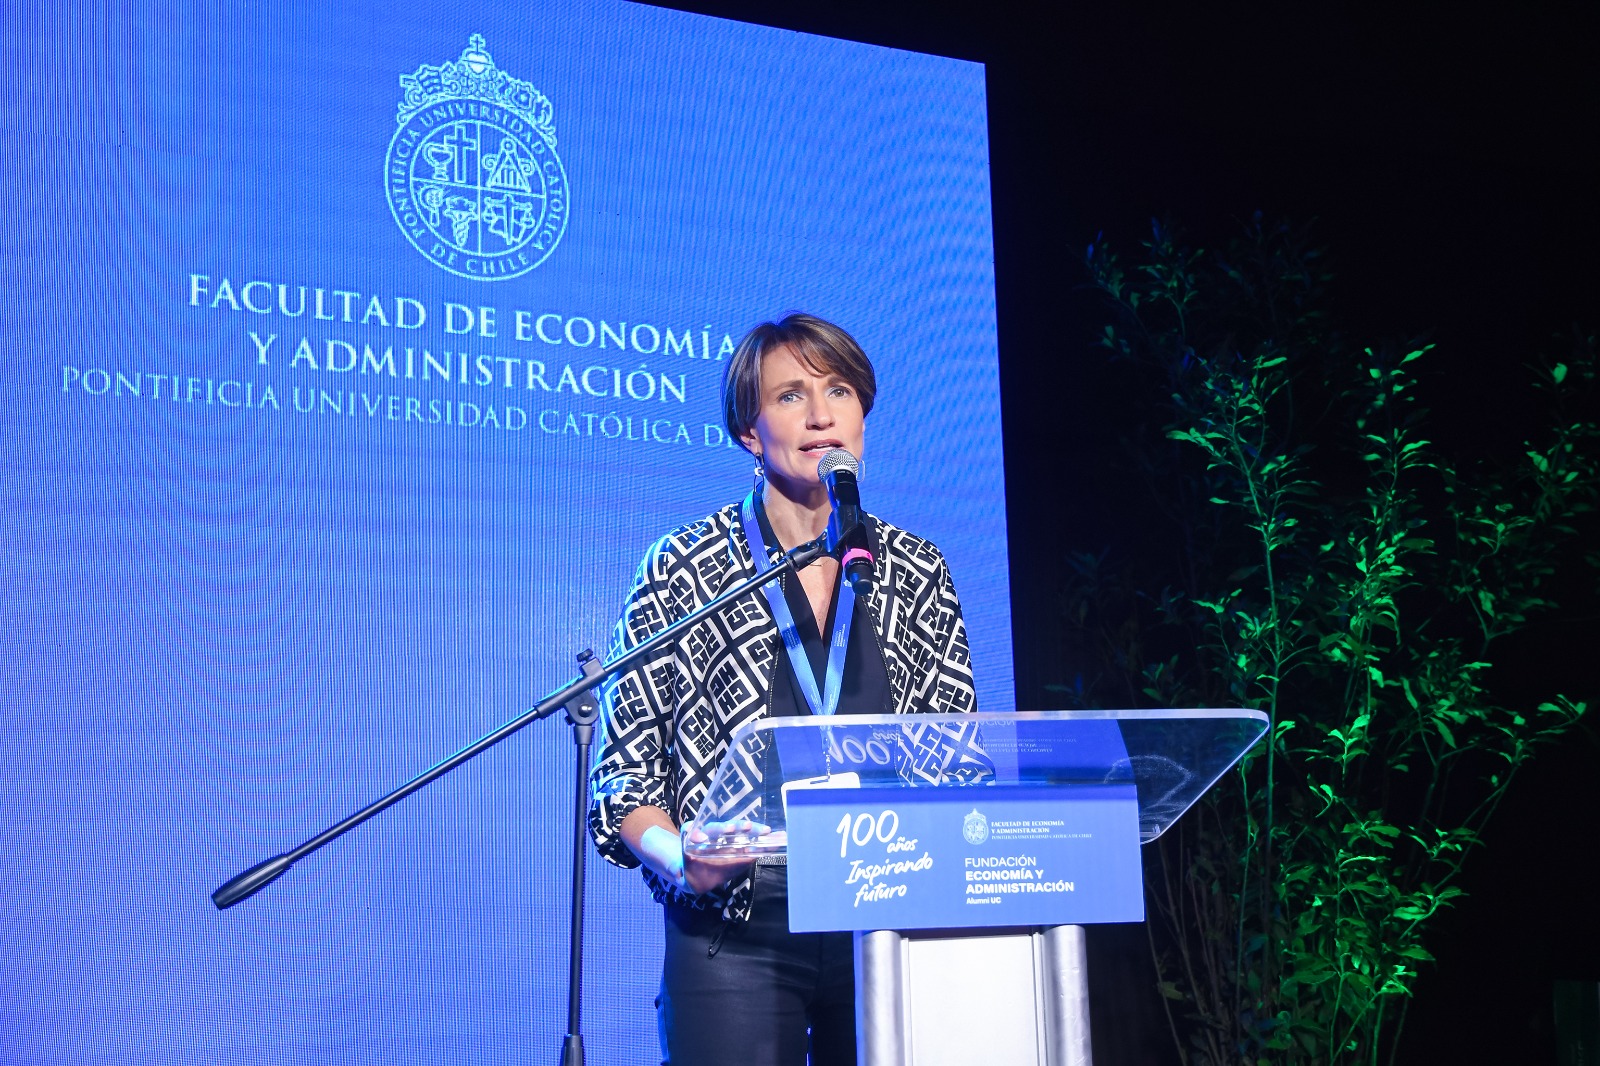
[827,702]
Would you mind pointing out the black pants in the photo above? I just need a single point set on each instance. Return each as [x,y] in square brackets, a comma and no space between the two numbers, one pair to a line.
[753,993]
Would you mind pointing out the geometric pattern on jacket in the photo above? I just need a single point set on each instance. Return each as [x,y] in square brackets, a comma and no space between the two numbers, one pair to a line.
[666,723]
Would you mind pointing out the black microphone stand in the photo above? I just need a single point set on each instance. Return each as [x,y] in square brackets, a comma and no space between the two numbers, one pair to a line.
[582,711]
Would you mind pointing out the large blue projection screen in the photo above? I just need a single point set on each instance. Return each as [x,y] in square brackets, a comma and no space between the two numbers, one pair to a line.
[354,352]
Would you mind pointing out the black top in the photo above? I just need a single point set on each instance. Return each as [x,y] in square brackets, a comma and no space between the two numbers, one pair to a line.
[864,688]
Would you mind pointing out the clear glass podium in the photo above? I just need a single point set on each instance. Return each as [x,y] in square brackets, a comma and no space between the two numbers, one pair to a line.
[968,995]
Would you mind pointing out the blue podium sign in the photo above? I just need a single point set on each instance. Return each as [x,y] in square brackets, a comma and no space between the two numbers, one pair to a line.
[937,858]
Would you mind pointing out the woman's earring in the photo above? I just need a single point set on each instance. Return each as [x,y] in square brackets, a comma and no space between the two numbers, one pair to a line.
[761,470]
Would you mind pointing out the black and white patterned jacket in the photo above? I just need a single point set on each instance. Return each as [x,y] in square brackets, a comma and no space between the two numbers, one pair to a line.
[667,722]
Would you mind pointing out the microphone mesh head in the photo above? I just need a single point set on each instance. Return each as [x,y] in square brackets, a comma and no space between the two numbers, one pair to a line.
[837,459]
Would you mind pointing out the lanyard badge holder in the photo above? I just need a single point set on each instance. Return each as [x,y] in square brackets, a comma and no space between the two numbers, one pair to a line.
[822,702]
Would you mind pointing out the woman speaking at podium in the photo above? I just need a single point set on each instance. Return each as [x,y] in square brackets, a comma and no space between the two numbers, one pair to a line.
[737,987]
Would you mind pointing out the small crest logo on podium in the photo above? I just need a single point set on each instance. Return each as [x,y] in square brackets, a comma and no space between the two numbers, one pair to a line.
[975,827]
[472,174]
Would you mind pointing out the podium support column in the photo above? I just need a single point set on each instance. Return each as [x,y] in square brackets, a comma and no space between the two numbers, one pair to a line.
[880,998]
[953,997]
[1066,981]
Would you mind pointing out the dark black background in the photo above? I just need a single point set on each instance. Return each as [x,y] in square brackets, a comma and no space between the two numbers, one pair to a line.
[1448,155]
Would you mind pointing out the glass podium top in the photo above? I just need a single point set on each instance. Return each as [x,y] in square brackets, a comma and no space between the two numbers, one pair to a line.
[1169,757]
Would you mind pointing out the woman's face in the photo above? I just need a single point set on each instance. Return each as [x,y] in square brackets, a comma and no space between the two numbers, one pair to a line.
[803,416]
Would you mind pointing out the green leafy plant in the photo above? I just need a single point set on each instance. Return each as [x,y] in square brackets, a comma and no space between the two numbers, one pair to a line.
[1333,570]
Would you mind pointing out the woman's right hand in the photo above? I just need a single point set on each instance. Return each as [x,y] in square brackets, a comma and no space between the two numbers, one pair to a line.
[651,835]
[704,872]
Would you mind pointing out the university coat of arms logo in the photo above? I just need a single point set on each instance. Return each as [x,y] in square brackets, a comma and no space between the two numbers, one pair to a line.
[975,827]
[472,172]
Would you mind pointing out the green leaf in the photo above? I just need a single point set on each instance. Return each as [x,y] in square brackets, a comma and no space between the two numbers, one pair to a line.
[1558,373]
[1411,697]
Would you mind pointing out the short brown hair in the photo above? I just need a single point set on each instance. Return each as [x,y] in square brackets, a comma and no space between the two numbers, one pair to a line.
[822,346]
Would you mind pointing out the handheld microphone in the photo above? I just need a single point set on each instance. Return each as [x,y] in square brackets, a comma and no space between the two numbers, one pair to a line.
[847,530]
